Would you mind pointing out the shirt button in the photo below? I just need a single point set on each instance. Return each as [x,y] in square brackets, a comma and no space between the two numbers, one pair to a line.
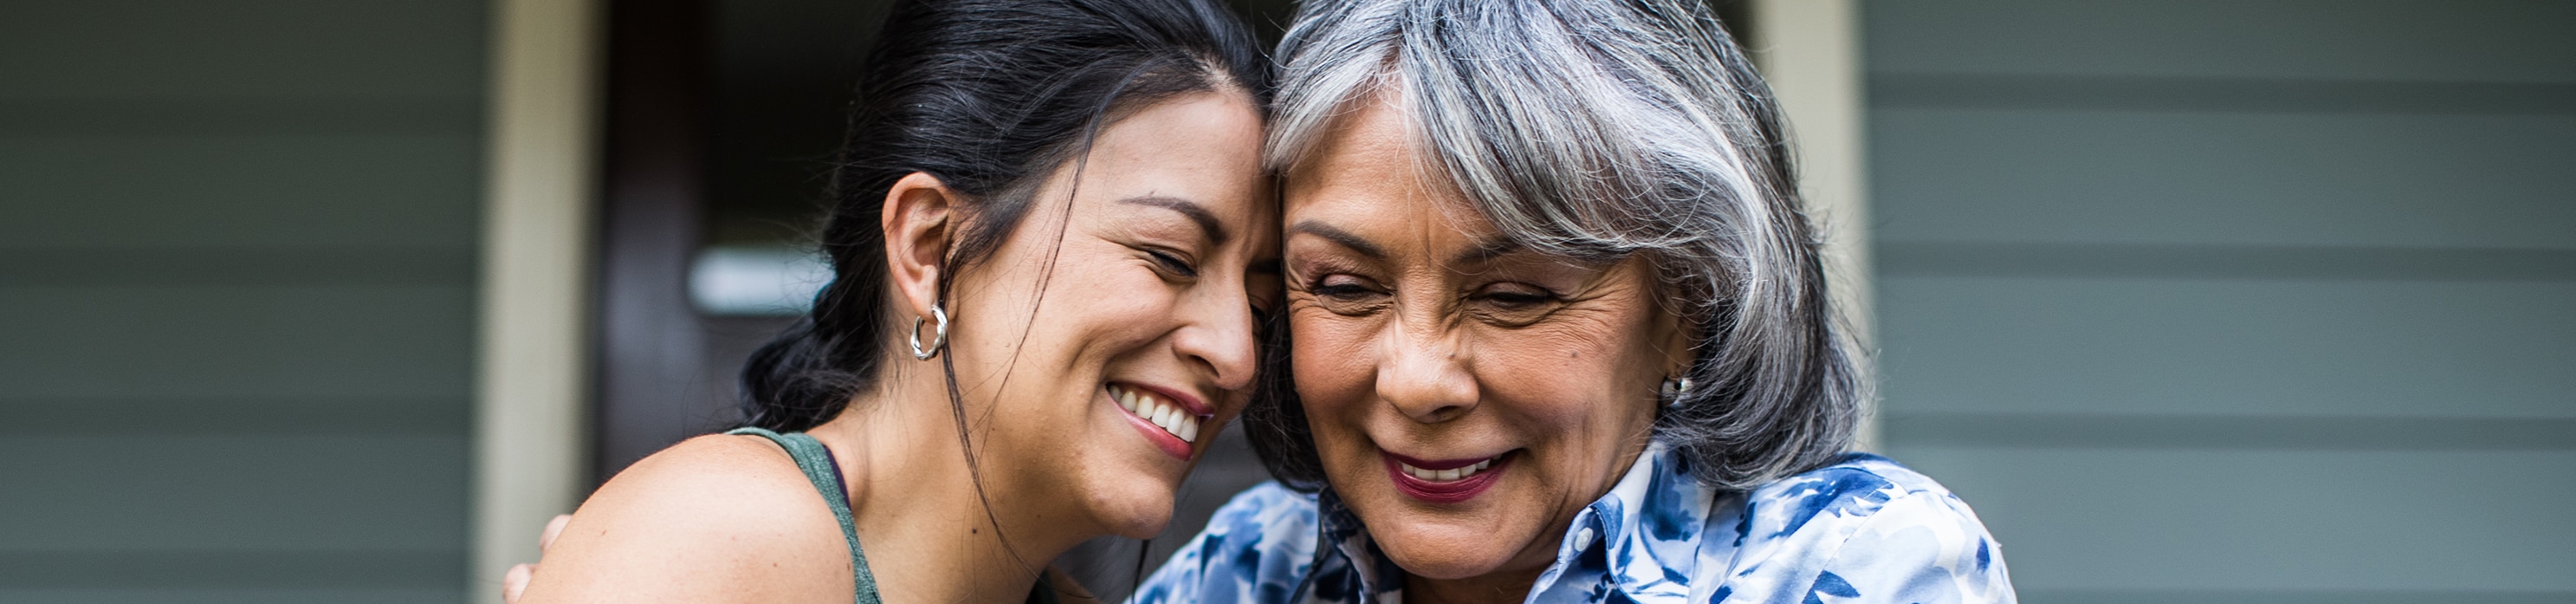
[1583,539]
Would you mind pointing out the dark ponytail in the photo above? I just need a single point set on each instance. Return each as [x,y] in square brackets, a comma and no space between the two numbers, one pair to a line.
[988,96]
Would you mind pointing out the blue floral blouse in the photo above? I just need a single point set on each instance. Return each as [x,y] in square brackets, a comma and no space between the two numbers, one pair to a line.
[1862,530]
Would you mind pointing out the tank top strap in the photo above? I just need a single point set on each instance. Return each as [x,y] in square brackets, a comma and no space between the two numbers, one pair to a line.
[820,469]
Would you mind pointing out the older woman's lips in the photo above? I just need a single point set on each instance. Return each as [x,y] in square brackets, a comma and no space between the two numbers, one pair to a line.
[1444,481]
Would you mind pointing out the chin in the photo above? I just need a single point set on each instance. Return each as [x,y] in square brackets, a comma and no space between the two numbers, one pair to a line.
[1135,505]
[1445,551]
[1143,521]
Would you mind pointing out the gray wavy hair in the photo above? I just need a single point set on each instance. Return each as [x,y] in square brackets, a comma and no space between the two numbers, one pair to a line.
[1600,129]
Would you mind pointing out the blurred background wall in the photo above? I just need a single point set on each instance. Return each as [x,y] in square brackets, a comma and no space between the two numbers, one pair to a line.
[2235,301]
[2194,301]
[237,272]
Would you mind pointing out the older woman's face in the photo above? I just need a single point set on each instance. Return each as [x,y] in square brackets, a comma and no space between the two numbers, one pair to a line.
[1467,396]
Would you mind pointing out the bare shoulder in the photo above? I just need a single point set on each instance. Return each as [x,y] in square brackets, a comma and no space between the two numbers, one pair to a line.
[712,519]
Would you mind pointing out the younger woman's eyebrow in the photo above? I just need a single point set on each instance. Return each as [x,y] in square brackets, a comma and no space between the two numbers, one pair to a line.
[1196,213]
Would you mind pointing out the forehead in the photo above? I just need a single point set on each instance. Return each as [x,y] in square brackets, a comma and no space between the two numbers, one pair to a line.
[1202,147]
[1369,174]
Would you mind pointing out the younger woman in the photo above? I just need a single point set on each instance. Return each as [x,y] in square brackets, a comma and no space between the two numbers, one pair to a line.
[1052,240]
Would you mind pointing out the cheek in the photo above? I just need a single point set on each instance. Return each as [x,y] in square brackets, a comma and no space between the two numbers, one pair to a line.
[1584,380]
[1336,378]
[1334,361]
[1094,305]
[1102,282]
[1551,363]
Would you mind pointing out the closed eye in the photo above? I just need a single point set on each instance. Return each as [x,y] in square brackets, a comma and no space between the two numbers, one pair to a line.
[1339,287]
[1512,298]
[1514,304]
[1173,263]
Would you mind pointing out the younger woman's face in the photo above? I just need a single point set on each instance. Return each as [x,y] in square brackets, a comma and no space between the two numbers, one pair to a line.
[1109,338]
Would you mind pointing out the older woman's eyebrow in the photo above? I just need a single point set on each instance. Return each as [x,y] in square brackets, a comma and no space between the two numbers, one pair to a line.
[1335,235]
[1196,213]
[1486,250]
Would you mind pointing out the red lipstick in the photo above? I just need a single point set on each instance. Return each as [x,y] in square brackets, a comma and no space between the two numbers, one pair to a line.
[1443,492]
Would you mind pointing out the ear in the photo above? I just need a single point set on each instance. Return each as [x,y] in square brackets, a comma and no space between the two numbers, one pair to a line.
[919,218]
[1678,355]
[1675,336]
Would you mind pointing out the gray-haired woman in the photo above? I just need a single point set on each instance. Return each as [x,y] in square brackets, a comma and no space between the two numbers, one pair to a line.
[1560,333]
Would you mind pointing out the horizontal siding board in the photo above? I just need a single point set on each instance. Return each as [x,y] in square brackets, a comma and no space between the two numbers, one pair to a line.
[2276,596]
[363,342]
[236,266]
[404,191]
[2238,520]
[158,48]
[235,416]
[2170,346]
[2134,431]
[265,116]
[2477,40]
[2347,180]
[109,494]
[449,595]
[232,569]
[2233,262]
[2216,95]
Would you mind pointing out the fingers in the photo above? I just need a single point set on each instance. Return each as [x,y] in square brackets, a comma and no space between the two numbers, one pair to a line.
[516,582]
[553,528]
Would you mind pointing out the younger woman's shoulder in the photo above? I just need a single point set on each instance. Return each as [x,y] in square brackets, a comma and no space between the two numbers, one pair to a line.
[716,478]
[714,518]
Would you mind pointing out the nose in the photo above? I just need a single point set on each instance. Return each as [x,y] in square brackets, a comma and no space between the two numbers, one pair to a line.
[1422,372]
[1219,334]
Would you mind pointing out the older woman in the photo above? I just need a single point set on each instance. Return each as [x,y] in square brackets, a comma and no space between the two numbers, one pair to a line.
[1560,333]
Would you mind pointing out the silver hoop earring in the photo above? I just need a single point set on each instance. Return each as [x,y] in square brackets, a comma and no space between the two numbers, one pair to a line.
[1674,389]
[937,341]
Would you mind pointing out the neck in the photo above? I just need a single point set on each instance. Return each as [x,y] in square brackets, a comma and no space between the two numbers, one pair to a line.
[1502,587]
[927,530]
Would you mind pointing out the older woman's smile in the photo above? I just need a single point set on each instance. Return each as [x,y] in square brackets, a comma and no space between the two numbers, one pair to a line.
[1447,480]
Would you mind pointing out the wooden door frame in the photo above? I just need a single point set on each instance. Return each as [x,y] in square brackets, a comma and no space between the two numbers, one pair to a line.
[533,343]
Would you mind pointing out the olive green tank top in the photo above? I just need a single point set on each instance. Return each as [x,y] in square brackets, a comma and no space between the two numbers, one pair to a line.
[820,469]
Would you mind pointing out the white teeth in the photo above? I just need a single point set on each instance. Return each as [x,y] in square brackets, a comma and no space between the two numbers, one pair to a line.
[1448,474]
[1181,424]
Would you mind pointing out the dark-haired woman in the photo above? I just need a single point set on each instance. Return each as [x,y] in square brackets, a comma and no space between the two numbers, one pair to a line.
[1048,242]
